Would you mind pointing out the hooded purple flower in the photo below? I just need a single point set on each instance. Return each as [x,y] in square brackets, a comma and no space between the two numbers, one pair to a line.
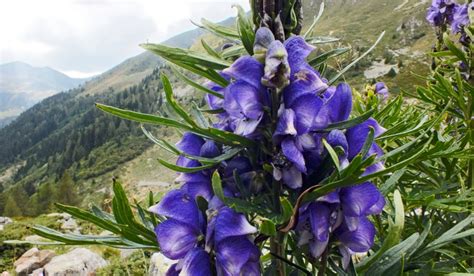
[187,237]
[381,89]
[197,183]
[440,12]
[245,97]
[460,18]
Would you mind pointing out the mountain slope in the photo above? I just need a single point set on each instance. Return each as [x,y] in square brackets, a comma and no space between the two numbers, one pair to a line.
[22,85]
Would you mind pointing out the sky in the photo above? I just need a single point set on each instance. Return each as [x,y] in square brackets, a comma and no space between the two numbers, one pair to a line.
[82,38]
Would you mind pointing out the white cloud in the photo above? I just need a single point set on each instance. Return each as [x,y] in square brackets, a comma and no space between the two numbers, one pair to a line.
[84,37]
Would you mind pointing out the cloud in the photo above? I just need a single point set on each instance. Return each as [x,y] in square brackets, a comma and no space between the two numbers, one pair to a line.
[83,37]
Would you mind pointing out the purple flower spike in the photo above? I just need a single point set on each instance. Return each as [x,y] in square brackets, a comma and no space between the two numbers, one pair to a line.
[359,240]
[357,135]
[440,12]
[277,69]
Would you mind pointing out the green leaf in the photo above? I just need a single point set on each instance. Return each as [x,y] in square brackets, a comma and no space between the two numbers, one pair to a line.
[186,56]
[210,50]
[332,153]
[184,169]
[333,80]
[170,99]
[368,142]
[142,117]
[450,235]
[351,122]
[218,135]
[268,228]
[394,233]
[217,186]
[246,29]
[455,50]
[322,58]
[88,216]
[315,20]
[321,40]
[195,84]
[392,256]
[219,30]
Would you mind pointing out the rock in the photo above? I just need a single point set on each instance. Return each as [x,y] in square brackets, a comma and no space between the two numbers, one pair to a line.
[79,261]
[5,273]
[69,224]
[4,221]
[34,238]
[37,272]
[159,264]
[125,253]
[32,260]
[65,216]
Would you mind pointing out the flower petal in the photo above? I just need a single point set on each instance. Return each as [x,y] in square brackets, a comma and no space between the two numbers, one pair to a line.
[190,143]
[196,263]
[309,113]
[305,82]
[247,69]
[178,205]
[277,69]
[357,135]
[195,189]
[231,224]
[293,154]
[357,200]
[209,149]
[286,123]
[298,50]
[292,177]
[243,99]
[319,215]
[235,253]
[360,240]
[340,104]
[176,239]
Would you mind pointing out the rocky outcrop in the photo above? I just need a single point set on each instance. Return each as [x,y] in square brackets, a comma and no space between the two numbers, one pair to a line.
[4,221]
[79,261]
[68,224]
[159,264]
[32,260]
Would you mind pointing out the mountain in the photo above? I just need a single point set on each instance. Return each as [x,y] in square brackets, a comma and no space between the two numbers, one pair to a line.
[65,133]
[22,85]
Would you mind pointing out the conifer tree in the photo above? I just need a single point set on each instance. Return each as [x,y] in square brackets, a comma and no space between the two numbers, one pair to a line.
[11,208]
[67,192]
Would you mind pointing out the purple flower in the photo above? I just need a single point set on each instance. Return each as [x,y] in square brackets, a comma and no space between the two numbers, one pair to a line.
[277,69]
[440,12]
[245,97]
[187,237]
[460,18]
[197,183]
[263,38]
[381,89]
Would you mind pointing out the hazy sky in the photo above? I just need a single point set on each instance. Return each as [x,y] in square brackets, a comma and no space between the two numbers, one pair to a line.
[87,37]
